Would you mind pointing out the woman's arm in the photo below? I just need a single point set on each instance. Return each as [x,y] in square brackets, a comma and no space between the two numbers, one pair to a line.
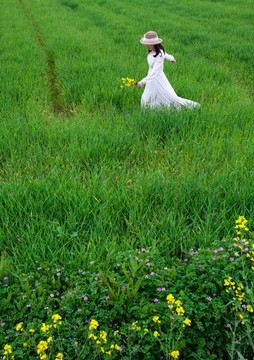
[170,58]
[156,69]
[152,75]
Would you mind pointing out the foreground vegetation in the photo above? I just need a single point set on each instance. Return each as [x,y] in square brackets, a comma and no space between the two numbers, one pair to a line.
[88,179]
[134,305]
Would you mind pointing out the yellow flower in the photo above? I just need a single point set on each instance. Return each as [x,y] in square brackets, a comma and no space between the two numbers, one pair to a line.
[44,356]
[59,356]
[76,343]
[92,336]
[98,342]
[175,354]
[156,334]
[49,339]
[117,347]
[102,350]
[42,346]
[187,322]
[44,327]
[108,352]
[25,344]
[7,348]
[32,331]
[93,324]
[103,335]
[249,308]
[156,319]
[128,82]
[19,327]
[170,299]
[178,302]
[146,330]
[180,311]
[116,332]
[135,326]
[56,317]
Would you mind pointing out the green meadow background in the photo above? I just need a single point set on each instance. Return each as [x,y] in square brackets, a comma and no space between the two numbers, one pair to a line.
[83,169]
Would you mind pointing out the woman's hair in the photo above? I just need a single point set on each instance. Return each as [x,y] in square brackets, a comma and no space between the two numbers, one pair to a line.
[158,48]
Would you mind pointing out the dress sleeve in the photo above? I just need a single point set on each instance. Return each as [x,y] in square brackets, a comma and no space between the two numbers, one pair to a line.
[169,57]
[156,69]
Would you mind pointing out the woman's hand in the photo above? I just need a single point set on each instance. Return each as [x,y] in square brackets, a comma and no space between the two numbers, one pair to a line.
[139,84]
[173,61]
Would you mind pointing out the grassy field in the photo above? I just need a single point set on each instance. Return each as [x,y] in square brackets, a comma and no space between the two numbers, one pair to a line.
[83,169]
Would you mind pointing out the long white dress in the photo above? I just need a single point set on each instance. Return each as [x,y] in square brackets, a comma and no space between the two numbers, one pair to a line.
[158,90]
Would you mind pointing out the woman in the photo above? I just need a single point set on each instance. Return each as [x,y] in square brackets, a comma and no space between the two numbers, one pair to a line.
[158,90]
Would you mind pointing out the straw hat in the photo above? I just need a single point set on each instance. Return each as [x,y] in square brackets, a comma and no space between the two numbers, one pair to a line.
[150,38]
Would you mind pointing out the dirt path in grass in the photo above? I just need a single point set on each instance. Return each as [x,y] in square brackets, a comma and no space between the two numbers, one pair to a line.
[59,102]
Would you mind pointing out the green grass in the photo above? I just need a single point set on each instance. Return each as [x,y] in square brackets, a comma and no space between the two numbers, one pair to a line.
[111,176]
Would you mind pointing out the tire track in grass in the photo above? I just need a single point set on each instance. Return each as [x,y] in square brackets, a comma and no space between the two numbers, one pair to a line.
[57,97]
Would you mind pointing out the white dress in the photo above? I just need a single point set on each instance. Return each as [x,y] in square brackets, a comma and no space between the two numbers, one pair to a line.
[158,90]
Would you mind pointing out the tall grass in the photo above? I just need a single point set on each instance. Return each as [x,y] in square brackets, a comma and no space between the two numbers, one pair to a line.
[22,77]
[113,176]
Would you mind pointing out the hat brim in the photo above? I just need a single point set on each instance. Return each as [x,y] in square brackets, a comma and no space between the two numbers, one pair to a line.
[145,41]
